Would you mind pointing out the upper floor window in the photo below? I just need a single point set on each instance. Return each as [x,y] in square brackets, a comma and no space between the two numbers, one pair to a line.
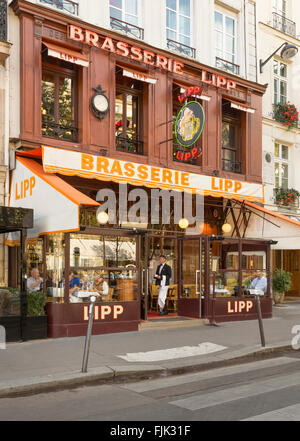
[279,6]
[124,16]
[281,162]
[63,5]
[179,21]
[225,42]
[231,138]
[128,113]
[280,82]
[125,10]
[59,100]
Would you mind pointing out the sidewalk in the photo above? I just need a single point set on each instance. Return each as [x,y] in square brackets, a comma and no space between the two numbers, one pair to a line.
[39,366]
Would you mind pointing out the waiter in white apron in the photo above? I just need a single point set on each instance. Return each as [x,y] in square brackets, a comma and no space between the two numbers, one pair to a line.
[162,278]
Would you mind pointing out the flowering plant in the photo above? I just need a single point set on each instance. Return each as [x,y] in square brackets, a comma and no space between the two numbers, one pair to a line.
[287,196]
[287,114]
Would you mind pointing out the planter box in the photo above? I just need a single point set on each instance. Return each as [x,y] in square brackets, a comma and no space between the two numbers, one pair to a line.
[12,325]
[34,327]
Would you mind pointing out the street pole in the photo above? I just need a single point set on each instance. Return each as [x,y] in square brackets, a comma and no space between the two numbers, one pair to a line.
[212,320]
[260,322]
[88,335]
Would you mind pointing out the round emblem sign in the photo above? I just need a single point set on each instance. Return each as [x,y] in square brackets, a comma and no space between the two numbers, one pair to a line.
[189,123]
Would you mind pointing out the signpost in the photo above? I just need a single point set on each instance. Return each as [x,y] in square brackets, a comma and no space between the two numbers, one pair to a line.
[257,294]
[88,335]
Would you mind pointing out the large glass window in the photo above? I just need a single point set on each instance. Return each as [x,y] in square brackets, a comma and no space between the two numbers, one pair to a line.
[231,138]
[128,114]
[103,265]
[179,21]
[225,41]
[279,6]
[59,100]
[280,82]
[281,163]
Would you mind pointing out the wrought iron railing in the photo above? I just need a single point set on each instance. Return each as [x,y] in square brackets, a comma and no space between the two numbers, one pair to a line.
[227,66]
[181,48]
[64,130]
[129,143]
[3,20]
[234,167]
[127,28]
[284,25]
[64,5]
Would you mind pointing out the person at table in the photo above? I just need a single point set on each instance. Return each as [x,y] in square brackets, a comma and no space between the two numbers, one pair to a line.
[34,283]
[85,283]
[100,286]
[74,282]
[260,282]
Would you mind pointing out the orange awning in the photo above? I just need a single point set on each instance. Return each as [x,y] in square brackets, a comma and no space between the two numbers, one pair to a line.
[65,54]
[55,203]
[272,213]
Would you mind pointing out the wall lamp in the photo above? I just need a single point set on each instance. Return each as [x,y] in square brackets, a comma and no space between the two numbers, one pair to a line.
[288,51]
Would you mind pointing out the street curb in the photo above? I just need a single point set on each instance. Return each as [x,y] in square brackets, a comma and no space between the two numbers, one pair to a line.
[129,373]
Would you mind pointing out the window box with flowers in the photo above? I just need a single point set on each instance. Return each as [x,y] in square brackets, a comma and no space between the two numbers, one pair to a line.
[287,114]
[288,197]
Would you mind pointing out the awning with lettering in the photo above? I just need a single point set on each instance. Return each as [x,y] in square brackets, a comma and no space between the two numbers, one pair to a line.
[74,163]
[55,202]
[140,76]
[65,54]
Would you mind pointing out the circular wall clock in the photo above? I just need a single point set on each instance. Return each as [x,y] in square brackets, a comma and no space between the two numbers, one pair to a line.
[100,103]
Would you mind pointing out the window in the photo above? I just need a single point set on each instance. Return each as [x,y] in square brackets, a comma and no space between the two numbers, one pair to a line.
[128,113]
[124,10]
[179,21]
[231,138]
[59,99]
[281,153]
[280,82]
[64,5]
[225,42]
[279,6]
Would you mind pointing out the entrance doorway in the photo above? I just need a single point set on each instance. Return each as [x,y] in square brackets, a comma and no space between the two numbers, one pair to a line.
[191,276]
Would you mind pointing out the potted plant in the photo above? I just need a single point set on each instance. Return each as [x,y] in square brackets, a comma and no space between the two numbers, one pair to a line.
[281,282]
[35,323]
[287,197]
[10,313]
[287,114]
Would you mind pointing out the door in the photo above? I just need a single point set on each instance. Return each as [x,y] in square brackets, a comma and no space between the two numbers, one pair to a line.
[191,276]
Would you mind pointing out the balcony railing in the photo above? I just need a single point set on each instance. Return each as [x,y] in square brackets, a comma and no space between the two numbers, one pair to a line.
[3,20]
[181,48]
[234,167]
[129,144]
[284,25]
[227,66]
[127,28]
[63,5]
[64,130]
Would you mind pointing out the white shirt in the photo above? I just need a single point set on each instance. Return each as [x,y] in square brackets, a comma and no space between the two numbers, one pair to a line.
[259,283]
[31,281]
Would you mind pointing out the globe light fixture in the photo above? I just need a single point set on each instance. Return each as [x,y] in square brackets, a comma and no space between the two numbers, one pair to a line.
[288,51]
[102,217]
[226,228]
[183,223]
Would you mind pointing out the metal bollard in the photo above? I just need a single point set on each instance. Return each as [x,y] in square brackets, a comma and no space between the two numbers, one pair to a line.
[88,335]
[260,322]
[212,320]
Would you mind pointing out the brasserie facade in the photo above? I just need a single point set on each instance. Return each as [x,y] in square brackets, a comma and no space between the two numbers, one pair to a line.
[102,112]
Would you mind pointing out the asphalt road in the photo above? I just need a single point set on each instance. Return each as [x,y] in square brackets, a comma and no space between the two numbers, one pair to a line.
[265,390]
